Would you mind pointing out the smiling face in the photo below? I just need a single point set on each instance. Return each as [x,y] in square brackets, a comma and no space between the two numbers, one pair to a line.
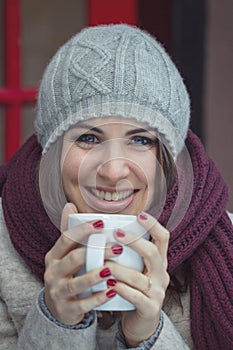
[109,166]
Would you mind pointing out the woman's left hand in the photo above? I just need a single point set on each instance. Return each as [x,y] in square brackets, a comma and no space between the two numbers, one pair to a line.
[145,290]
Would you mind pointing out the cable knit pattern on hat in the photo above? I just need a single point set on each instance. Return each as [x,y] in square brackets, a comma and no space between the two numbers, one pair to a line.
[112,70]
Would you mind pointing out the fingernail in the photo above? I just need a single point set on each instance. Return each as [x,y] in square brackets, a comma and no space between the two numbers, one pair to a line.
[117,249]
[105,272]
[111,282]
[120,233]
[111,293]
[98,224]
[143,216]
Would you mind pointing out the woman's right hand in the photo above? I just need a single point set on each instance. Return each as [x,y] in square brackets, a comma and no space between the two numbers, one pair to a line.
[62,262]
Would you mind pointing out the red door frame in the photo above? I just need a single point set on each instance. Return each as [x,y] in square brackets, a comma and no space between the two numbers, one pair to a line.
[13,95]
[112,11]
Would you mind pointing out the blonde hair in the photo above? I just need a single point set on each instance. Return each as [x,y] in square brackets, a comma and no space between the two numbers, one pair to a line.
[50,182]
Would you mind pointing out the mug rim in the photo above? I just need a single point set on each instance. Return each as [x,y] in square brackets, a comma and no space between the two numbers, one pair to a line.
[103,215]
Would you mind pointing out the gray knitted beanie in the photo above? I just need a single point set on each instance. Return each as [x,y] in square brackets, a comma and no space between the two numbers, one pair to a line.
[112,70]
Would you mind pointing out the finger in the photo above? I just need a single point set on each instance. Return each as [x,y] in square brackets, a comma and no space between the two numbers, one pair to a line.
[69,208]
[123,274]
[145,306]
[70,264]
[76,258]
[156,274]
[113,250]
[147,296]
[85,305]
[74,286]
[159,234]
[134,296]
[152,258]
[70,239]
[71,311]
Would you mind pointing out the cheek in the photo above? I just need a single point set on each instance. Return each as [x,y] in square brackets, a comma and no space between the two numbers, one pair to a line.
[151,179]
[70,167]
[147,171]
[77,168]
[69,171]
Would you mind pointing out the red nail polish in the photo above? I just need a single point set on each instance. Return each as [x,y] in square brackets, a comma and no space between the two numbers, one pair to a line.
[117,249]
[111,282]
[98,224]
[120,233]
[111,293]
[143,216]
[105,272]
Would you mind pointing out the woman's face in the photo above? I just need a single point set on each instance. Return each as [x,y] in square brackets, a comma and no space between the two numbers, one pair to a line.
[109,166]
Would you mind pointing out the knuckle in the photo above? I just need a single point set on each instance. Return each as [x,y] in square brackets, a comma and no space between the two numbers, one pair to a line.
[51,272]
[99,298]
[166,279]
[137,297]
[70,287]
[92,280]
[73,258]
[63,239]
[166,235]
[82,307]
[54,294]
[48,276]
[47,258]
[163,237]
[161,294]
[159,231]
[156,308]
[130,239]
[151,253]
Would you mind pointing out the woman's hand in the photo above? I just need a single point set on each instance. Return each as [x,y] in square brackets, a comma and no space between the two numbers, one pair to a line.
[145,290]
[63,261]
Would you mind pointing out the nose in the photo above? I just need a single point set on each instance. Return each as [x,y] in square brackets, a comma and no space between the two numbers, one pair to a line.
[114,165]
[114,169]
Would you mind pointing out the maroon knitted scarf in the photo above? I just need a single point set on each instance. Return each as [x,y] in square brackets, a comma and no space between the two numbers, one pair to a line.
[203,239]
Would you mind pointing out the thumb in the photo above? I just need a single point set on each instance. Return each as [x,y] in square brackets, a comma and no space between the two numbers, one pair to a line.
[69,208]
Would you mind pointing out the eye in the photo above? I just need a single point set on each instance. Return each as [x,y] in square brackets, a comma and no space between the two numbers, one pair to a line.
[143,141]
[87,140]
[140,140]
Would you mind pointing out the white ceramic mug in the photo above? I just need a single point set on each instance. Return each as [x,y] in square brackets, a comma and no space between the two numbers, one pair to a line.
[96,245]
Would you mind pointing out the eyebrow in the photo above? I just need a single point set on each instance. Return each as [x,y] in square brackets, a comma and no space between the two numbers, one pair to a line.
[137,131]
[90,127]
[128,133]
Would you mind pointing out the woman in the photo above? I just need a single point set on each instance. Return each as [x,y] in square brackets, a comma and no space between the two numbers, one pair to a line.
[112,129]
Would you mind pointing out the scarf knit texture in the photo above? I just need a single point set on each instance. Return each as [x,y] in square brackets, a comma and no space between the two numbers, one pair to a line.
[203,239]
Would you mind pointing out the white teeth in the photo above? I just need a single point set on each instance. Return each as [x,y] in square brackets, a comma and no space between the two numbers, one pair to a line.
[114,196]
[108,196]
